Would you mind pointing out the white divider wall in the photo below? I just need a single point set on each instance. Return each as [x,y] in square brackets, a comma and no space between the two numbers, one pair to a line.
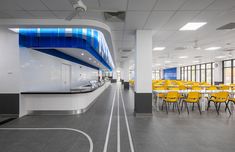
[9,62]
[42,72]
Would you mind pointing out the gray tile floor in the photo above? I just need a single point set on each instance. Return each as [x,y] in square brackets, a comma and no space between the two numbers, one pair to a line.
[160,133]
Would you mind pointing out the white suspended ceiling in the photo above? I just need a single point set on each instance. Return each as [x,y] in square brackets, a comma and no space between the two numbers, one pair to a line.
[164,17]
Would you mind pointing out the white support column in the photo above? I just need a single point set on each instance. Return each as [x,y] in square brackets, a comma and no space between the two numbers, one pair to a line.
[143,72]
[218,75]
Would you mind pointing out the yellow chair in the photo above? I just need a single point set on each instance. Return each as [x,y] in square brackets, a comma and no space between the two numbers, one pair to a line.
[160,95]
[212,94]
[230,100]
[196,88]
[220,97]
[193,97]
[224,87]
[171,97]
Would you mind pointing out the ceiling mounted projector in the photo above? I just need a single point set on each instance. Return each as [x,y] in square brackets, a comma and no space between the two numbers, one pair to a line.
[78,6]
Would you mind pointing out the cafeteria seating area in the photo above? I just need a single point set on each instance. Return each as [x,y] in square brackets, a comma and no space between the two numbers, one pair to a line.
[117,75]
[183,93]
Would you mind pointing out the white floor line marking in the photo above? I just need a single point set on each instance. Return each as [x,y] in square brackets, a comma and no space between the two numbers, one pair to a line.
[127,125]
[109,125]
[118,125]
[67,129]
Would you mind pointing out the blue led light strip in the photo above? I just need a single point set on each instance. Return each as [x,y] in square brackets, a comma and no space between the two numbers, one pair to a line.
[90,40]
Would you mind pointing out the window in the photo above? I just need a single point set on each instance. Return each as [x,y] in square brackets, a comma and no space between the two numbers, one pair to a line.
[186,73]
[198,73]
[208,73]
[198,79]
[203,72]
[227,65]
[189,73]
[193,73]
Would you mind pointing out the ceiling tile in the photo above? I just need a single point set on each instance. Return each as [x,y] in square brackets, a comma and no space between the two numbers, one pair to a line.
[169,4]
[33,5]
[222,5]
[141,5]
[196,4]
[157,19]
[4,15]
[58,4]
[42,14]
[91,4]
[136,19]
[117,35]
[9,5]
[114,5]
[19,14]
[162,35]
[61,14]
[180,19]
[115,25]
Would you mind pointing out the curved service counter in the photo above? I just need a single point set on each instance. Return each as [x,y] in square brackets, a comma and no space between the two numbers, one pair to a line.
[75,101]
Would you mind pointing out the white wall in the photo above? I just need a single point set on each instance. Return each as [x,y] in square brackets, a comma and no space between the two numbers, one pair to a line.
[9,62]
[43,72]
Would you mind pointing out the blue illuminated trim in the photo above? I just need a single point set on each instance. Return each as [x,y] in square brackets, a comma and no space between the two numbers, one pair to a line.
[90,40]
[64,56]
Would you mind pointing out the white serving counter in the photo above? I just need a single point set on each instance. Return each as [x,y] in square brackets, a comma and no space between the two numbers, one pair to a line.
[58,101]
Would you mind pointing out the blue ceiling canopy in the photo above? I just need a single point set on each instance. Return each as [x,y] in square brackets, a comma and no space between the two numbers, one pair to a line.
[87,39]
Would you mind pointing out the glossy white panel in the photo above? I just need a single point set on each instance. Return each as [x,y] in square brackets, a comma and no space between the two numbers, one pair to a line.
[42,72]
[9,62]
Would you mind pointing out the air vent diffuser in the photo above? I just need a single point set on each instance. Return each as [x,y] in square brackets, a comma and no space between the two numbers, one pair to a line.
[124,57]
[115,16]
[228,26]
[126,51]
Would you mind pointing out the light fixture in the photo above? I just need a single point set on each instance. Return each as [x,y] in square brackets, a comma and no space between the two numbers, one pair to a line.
[183,57]
[167,61]
[89,58]
[196,61]
[220,57]
[82,54]
[213,48]
[159,48]
[16,30]
[192,26]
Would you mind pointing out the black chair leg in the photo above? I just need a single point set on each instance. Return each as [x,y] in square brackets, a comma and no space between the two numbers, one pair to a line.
[166,107]
[178,107]
[182,104]
[227,107]
[173,107]
[163,104]
[219,106]
[199,108]
[216,107]
[193,107]
[208,105]
[187,107]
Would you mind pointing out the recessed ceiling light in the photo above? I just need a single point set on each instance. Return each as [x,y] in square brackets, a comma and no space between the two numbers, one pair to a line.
[16,30]
[89,58]
[192,26]
[82,54]
[167,61]
[159,48]
[220,57]
[183,57]
[213,48]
